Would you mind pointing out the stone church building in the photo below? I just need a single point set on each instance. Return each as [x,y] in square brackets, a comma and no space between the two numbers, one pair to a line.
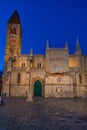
[54,74]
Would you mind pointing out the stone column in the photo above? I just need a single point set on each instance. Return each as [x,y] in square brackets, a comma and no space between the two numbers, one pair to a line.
[29,96]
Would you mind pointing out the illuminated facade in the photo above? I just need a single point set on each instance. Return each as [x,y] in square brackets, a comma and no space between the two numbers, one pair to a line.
[54,74]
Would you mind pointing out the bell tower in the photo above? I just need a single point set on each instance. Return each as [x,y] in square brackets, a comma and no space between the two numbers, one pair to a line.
[13,37]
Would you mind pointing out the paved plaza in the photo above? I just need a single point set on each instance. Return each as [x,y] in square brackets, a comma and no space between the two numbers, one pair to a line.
[44,114]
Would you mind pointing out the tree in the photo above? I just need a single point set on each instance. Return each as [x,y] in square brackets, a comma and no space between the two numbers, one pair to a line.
[1,74]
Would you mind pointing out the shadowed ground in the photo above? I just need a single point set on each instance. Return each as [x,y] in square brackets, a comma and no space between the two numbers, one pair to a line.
[44,114]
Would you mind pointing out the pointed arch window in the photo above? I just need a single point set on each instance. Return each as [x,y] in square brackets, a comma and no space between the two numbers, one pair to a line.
[18,78]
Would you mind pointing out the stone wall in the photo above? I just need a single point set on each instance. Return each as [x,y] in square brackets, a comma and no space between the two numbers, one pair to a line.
[59,86]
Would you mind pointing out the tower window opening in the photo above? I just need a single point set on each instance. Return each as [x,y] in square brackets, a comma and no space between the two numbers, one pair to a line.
[11,31]
[14,30]
[23,65]
[39,65]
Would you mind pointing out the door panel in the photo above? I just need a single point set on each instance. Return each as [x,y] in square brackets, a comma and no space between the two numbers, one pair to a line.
[37,88]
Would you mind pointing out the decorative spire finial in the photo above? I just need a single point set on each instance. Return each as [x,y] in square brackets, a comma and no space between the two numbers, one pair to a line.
[47,45]
[78,49]
[66,45]
[31,52]
[77,44]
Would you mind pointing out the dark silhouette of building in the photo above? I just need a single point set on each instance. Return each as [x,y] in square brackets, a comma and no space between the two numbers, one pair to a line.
[1,79]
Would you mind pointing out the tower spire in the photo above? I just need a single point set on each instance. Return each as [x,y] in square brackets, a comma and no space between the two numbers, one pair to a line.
[14,18]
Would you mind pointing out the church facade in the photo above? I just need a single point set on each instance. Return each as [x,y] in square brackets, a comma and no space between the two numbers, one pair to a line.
[54,74]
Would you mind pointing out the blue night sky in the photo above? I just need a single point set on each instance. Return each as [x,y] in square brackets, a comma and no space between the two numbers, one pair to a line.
[42,20]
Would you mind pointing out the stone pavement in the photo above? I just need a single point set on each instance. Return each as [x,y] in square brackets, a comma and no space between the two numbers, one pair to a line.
[44,114]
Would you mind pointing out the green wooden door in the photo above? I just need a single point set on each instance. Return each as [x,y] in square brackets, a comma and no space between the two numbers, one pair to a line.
[37,88]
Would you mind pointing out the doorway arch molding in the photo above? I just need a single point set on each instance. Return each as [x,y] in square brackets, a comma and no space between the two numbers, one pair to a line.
[42,83]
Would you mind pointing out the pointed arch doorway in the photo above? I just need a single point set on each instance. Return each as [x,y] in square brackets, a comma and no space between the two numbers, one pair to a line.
[37,88]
